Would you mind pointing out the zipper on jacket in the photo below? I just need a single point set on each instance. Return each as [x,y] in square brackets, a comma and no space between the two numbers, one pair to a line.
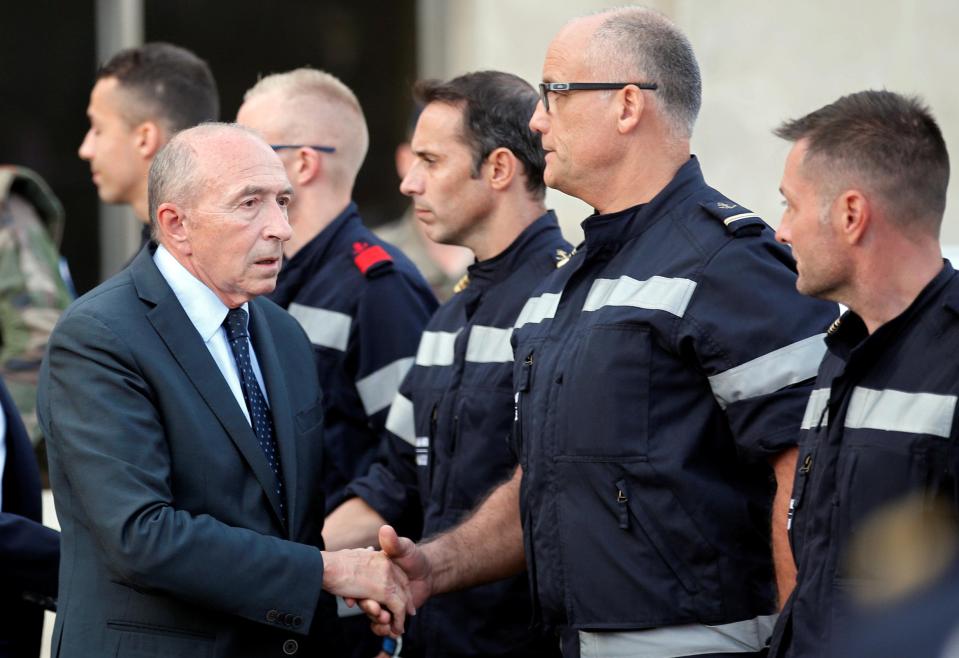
[622,503]
[522,386]
[802,475]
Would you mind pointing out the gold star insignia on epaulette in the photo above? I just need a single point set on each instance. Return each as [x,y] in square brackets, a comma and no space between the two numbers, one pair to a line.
[834,327]
[563,256]
[462,284]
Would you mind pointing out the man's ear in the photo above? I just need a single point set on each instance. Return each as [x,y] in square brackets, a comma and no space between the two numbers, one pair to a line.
[631,103]
[150,137]
[172,228]
[502,168]
[855,215]
[307,166]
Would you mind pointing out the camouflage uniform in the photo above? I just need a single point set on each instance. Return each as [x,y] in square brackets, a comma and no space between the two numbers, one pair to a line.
[32,290]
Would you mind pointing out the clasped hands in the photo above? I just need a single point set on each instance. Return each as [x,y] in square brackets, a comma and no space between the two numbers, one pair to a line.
[387,584]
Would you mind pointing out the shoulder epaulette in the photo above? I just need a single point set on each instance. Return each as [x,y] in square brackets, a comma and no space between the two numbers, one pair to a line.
[738,220]
[462,284]
[371,259]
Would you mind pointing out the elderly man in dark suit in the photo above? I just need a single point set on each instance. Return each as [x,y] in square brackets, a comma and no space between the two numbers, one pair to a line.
[29,552]
[184,420]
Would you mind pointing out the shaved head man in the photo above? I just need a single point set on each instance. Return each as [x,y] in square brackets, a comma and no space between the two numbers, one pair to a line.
[361,301]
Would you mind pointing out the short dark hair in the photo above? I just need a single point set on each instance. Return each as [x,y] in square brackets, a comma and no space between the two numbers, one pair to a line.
[497,107]
[169,83]
[886,141]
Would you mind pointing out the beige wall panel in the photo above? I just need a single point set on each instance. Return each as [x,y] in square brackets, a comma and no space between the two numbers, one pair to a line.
[762,62]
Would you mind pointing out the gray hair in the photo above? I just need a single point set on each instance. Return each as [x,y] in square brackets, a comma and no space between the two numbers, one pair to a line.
[635,42]
[174,175]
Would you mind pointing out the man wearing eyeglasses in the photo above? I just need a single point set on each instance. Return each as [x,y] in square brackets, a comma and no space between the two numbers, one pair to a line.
[362,303]
[660,378]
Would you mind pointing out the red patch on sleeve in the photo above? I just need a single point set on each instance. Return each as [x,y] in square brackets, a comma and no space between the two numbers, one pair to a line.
[365,256]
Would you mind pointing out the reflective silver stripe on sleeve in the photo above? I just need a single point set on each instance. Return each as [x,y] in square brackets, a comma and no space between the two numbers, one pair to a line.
[400,419]
[818,400]
[655,293]
[437,348]
[769,372]
[537,309]
[672,641]
[324,328]
[736,218]
[422,444]
[378,389]
[898,411]
[489,345]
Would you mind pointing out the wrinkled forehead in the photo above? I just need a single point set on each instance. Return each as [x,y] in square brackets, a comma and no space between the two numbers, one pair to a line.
[568,52]
[225,166]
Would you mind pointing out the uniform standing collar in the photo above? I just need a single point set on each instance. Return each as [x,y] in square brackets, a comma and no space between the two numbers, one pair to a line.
[850,331]
[625,224]
[492,270]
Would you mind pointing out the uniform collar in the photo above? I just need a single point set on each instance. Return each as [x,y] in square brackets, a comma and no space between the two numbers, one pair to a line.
[618,227]
[849,338]
[491,271]
[311,256]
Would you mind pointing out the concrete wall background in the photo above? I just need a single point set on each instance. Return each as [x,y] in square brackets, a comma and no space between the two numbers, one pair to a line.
[762,62]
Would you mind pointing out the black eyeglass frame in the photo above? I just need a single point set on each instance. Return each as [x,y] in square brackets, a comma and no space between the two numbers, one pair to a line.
[315,147]
[546,87]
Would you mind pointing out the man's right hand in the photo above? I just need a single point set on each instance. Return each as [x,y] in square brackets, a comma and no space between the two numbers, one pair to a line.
[368,575]
[487,546]
[415,564]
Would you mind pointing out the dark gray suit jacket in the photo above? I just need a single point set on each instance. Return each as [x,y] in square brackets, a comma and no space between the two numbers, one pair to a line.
[172,540]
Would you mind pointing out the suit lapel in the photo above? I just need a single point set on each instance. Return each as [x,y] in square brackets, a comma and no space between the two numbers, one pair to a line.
[178,333]
[275,382]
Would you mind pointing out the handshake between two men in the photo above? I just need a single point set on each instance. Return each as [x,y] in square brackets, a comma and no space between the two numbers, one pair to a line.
[388,584]
[486,546]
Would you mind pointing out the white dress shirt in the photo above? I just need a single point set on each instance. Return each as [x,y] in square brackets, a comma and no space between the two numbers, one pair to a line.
[207,314]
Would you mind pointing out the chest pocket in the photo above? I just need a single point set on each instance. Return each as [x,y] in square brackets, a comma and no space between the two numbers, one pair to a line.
[427,410]
[480,453]
[604,395]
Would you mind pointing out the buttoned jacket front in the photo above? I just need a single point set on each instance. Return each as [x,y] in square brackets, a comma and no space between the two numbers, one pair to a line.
[173,543]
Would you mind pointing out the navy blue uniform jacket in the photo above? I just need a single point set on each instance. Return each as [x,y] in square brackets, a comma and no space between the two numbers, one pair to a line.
[363,305]
[29,552]
[880,424]
[656,373]
[453,417]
